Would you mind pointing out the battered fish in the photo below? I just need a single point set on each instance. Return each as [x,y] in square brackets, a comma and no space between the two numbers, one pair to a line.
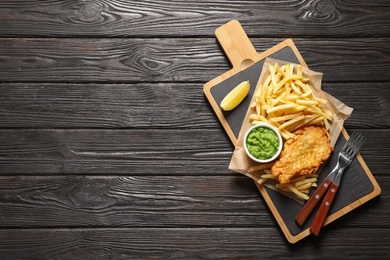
[303,154]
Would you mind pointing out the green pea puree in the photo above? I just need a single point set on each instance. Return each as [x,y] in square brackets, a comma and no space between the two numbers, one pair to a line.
[262,143]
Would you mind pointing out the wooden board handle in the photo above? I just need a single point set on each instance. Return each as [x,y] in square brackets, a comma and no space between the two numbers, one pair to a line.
[236,45]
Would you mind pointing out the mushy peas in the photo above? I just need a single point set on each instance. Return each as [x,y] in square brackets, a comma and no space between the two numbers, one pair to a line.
[262,143]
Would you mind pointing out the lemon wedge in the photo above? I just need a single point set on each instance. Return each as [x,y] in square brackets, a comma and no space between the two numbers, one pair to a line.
[235,96]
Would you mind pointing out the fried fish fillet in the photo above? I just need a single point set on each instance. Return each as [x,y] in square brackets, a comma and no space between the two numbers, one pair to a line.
[303,154]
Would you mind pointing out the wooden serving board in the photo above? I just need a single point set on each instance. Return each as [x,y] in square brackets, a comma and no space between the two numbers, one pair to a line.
[358,185]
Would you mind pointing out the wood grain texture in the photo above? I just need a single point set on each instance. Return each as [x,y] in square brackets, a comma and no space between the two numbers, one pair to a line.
[109,150]
[176,59]
[186,243]
[131,202]
[143,105]
[132,152]
[138,152]
[159,202]
[290,18]
[162,105]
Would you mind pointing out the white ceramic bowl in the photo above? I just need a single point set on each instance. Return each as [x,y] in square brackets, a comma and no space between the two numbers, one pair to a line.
[270,127]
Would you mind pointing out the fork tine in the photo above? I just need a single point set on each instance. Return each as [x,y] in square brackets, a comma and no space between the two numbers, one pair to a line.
[349,142]
[355,145]
[359,143]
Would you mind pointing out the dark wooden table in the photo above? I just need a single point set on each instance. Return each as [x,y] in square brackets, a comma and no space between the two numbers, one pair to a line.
[109,149]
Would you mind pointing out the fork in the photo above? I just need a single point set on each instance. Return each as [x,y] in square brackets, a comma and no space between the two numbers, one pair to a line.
[330,183]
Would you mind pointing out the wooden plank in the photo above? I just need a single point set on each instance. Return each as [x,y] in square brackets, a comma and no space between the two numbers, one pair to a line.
[160,105]
[142,105]
[130,152]
[175,59]
[370,110]
[163,201]
[114,201]
[338,58]
[189,243]
[116,18]
[138,152]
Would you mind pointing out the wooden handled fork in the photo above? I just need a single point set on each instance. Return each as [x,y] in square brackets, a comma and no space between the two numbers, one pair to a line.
[330,184]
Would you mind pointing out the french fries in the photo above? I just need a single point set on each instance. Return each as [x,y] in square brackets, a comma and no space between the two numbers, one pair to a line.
[286,101]
[299,185]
